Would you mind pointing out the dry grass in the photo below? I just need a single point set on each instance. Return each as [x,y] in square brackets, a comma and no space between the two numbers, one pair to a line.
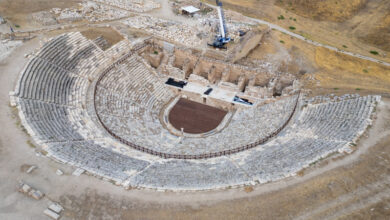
[111,36]
[379,210]
[292,56]
[342,71]
[331,69]
[248,189]
[301,173]
[24,167]
[362,30]
[330,10]
[19,11]
[31,144]
[380,35]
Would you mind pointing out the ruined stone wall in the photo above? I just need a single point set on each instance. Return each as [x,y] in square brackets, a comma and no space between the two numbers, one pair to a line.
[192,96]
[262,79]
[250,41]
[189,64]
[185,60]
[219,103]
[184,56]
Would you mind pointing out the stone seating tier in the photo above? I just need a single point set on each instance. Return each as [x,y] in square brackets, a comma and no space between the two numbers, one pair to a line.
[51,98]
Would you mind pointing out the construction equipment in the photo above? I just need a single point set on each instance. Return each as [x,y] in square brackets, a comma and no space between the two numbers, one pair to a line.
[221,39]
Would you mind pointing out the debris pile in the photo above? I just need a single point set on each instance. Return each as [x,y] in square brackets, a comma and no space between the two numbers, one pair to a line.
[6,48]
[184,33]
[69,15]
[30,169]
[53,211]
[92,11]
[28,190]
[44,18]
[133,5]
[78,172]
[169,30]
[99,12]
[59,172]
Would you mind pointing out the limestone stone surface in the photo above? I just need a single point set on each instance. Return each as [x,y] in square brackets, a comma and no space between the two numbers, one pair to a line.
[70,82]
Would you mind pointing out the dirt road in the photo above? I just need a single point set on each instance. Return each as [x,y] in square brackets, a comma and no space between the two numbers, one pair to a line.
[283,30]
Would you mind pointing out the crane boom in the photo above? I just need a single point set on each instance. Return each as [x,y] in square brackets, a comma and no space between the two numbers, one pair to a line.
[222,39]
[222,28]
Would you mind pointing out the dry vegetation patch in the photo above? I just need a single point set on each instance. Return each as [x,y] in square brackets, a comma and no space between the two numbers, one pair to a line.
[359,26]
[335,72]
[379,36]
[110,35]
[19,11]
[343,71]
[329,10]
[286,53]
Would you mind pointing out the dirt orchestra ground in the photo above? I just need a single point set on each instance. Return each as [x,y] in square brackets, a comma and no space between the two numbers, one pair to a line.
[194,117]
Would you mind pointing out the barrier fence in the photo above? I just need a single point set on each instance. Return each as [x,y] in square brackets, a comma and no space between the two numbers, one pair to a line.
[182,156]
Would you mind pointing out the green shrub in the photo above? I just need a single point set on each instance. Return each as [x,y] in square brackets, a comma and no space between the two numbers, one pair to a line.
[374,52]
[292,28]
[345,46]
[30,144]
[206,10]
[282,42]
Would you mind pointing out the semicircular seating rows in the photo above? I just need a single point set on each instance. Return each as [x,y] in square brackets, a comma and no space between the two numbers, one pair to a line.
[52,98]
[130,108]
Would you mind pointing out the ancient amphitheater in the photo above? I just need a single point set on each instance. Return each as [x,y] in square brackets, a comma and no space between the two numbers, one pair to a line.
[126,114]
[194,109]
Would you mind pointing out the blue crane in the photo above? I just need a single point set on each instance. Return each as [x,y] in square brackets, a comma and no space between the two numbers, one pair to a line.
[222,38]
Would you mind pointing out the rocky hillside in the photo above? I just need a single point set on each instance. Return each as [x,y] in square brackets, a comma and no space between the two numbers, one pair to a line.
[379,35]
[328,10]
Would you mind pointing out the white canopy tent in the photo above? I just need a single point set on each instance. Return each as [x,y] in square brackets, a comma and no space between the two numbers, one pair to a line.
[189,9]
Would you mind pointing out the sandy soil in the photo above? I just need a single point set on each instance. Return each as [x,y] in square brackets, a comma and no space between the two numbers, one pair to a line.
[341,187]
[331,10]
[356,185]
[321,70]
[18,12]
[194,117]
[112,37]
[338,34]
[353,14]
